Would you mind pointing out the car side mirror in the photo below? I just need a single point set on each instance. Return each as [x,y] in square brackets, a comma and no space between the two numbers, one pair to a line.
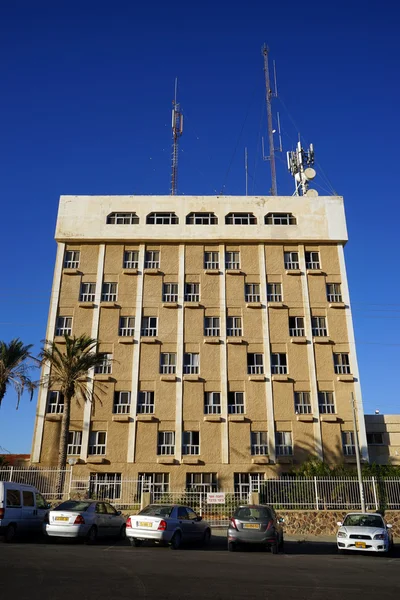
[48,505]
[281,520]
[339,523]
[201,518]
[389,526]
[119,512]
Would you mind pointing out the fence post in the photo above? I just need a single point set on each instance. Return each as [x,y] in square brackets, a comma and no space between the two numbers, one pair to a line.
[11,473]
[375,494]
[316,493]
[201,504]
[70,483]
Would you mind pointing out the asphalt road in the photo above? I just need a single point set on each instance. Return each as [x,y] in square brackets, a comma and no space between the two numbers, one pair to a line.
[66,570]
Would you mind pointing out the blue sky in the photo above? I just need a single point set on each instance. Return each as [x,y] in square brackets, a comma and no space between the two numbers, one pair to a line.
[85,109]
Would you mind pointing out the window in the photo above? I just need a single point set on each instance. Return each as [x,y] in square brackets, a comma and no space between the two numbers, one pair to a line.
[156,482]
[312,260]
[283,443]
[145,403]
[244,483]
[326,403]
[71,260]
[109,292]
[302,404]
[201,482]
[13,498]
[201,219]
[131,259]
[126,326]
[168,363]
[88,292]
[122,403]
[55,403]
[375,438]
[152,259]
[296,327]
[149,326]
[333,292]
[212,403]
[105,486]
[192,292]
[341,363]
[234,326]
[191,363]
[28,498]
[166,443]
[170,292]
[64,326]
[348,443]
[291,260]
[122,218]
[255,364]
[211,260]
[191,442]
[280,219]
[74,442]
[252,292]
[162,218]
[232,260]
[97,442]
[211,326]
[236,403]
[240,219]
[274,292]
[259,443]
[105,368]
[318,325]
[40,501]
[279,364]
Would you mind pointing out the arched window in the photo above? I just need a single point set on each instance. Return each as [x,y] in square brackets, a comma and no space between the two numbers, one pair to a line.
[201,218]
[280,219]
[240,219]
[162,218]
[122,218]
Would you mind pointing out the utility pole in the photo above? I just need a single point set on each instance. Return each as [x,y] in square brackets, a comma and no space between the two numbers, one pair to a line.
[360,481]
[177,130]
[246,170]
[269,94]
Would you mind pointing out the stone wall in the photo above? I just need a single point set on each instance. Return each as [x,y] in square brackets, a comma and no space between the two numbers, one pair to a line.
[324,522]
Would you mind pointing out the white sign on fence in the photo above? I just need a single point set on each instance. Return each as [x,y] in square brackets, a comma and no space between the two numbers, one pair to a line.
[216,498]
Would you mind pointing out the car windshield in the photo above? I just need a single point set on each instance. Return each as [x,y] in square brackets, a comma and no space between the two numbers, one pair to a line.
[363,521]
[155,510]
[73,505]
[259,513]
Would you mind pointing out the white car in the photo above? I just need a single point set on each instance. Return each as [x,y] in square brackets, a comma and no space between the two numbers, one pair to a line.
[365,532]
[167,524]
[86,519]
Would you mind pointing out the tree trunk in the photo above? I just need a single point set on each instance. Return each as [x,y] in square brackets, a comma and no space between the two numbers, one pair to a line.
[62,451]
[3,388]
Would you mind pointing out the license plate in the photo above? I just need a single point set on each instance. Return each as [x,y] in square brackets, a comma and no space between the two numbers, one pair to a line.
[360,545]
[145,524]
[61,519]
[251,526]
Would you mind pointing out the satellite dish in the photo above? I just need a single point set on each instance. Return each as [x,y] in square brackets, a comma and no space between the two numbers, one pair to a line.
[310,173]
[312,193]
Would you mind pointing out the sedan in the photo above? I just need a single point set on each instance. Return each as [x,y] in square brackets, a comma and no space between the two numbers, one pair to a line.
[255,524]
[167,524]
[86,519]
[365,532]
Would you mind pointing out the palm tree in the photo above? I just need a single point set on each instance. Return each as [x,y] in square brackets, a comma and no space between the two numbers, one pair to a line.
[14,370]
[69,372]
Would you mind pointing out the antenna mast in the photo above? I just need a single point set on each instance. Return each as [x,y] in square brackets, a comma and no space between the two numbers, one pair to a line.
[177,130]
[299,164]
[269,94]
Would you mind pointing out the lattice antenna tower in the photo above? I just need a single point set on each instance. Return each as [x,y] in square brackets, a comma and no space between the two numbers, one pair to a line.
[177,130]
[269,95]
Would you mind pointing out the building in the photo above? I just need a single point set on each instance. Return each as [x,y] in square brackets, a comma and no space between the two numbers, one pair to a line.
[383,438]
[229,327]
[15,460]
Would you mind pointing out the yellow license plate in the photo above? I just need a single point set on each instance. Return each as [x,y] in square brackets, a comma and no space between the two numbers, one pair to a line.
[360,545]
[251,526]
[145,524]
[61,519]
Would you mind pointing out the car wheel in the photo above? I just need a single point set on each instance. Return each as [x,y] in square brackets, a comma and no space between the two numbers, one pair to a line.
[122,533]
[91,535]
[275,548]
[207,537]
[176,540]
[339,551]
[11,532]
[135,542]
[231,546]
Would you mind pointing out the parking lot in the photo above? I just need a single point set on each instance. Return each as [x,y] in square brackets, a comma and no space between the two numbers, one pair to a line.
[305,570]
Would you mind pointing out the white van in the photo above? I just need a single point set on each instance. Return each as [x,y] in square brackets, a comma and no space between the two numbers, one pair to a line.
[22,510]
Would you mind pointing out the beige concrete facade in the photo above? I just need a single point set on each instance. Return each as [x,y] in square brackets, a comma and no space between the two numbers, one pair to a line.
[383,438]
[294,277]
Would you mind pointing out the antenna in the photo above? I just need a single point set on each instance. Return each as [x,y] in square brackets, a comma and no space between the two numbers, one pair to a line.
[246,170]
[269,94]
[299,164]
[177,130]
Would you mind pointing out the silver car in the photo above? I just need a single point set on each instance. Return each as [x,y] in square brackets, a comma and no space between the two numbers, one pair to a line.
[167,524]
[365,532]
[86,519]
[255,524]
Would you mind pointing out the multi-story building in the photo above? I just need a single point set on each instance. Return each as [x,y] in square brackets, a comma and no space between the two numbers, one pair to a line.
[227,335]
[383,438]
